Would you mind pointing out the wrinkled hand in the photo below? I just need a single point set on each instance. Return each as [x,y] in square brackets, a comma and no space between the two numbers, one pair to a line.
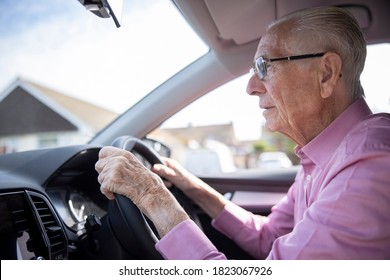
[175,174]
[121,172]
[207,198]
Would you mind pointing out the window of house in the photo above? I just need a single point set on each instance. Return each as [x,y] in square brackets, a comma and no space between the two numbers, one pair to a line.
[47,140]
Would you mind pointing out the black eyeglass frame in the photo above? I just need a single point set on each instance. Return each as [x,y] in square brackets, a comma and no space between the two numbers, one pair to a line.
[260,65]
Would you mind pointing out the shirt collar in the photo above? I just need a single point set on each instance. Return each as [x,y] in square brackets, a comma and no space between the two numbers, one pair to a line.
[322,147]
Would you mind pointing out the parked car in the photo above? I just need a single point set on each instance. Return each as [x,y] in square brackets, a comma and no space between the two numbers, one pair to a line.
[50,202]
[273,160]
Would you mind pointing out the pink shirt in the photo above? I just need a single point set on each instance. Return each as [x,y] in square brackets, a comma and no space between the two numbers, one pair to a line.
[337,208]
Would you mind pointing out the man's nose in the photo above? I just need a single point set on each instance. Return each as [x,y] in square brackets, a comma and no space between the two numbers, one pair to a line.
[255,86]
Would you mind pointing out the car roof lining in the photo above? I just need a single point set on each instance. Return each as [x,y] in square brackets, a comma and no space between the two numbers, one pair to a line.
[222,24]
[225,26]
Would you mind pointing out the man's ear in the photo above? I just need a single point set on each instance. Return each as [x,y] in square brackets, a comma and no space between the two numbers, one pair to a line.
[330,73]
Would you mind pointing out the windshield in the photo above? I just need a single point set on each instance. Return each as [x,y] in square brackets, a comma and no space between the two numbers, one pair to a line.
[65,74]
[80,70]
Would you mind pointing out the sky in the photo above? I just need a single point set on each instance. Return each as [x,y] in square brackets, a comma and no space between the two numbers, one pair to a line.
[61,45]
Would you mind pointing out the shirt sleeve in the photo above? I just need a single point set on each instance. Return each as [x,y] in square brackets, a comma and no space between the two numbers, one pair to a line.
[253,233]
[187,242]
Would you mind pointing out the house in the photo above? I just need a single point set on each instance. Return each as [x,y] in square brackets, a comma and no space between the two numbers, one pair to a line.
[49,118]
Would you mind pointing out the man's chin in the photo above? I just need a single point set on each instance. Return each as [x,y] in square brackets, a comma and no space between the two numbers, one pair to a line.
[270,126]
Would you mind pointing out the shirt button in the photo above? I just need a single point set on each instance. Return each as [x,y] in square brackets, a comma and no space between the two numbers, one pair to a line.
[308,177]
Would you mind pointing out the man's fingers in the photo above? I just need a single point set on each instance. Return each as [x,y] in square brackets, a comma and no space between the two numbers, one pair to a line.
[109,194]
[163,171]
[167,183]
[99,165]
[109,151]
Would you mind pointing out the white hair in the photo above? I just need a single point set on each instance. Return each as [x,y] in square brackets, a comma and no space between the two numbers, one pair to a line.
[330,29]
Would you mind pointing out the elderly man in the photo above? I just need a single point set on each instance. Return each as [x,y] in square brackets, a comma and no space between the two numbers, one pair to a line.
[306,74]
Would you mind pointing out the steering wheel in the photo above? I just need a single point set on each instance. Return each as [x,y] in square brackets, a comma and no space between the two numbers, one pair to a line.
[135,232]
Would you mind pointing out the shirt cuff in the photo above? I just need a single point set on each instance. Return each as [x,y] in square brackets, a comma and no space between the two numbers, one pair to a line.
[187,242]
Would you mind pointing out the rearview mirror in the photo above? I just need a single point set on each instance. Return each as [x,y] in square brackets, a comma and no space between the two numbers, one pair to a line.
[105,9]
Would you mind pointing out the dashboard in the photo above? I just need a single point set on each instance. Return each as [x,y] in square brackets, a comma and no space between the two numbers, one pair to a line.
[51,208]
[45,198]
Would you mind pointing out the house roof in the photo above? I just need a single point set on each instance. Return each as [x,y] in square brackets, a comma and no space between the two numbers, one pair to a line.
[45,110]
[95,116]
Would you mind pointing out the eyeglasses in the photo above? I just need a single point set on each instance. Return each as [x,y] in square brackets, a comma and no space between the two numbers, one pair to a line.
[260,65]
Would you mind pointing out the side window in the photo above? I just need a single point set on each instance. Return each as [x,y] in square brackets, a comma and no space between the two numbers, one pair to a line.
[375,78]
[223,132]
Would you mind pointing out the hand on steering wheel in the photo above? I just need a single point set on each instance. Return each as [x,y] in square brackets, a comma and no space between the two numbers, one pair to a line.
[133,229]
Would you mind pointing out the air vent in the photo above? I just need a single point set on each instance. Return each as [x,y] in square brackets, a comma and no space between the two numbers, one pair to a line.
[19,229]
[56,239]
[22,223]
